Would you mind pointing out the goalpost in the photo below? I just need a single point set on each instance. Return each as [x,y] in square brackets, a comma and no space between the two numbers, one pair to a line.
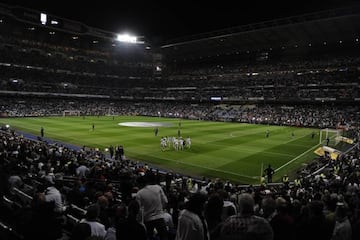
[67,113]
[332,134]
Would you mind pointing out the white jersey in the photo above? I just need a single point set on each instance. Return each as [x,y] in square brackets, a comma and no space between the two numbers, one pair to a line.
[163,143]
[188,142]
[181,143]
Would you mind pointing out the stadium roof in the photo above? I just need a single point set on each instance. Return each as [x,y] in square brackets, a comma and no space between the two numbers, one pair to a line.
[328,27]
[163,21]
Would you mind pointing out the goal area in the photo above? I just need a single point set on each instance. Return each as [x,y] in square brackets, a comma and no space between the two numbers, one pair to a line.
[330,137]
[68,113]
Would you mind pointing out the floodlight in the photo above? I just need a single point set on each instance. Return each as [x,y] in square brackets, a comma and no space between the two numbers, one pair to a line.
[43,18]
[7,126]
[126,38]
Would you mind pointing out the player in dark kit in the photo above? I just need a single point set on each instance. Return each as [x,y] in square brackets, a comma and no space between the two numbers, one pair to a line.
[42,132]
[267,133]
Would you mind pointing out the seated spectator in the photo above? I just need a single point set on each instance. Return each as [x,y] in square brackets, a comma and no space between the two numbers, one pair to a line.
[41,222]
[82,171]
[81,231]
[14,181]
[92,214]
[52,194]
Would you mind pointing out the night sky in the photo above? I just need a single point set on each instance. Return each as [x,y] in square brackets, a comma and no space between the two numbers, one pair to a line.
[162,21]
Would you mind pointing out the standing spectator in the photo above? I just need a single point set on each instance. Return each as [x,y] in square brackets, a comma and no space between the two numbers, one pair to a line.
[111,150]
[285,180]
[282,222]
[191,224]
[269,171]
[229,207]
[245,225]
[268,208]
[152,200]
[315,225]
[213,212]
[342,229]
[128,228]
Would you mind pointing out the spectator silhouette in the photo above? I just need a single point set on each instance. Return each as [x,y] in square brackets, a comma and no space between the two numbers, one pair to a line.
[92,214]
[245,225]
[152,200]
[191,223]
[129,228]
[269,171]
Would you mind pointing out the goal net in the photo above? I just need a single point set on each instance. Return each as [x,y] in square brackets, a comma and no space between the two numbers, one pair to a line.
[330,137]
[68,113]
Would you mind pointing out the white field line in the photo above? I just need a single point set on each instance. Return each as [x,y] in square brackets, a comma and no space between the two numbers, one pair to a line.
[294,159]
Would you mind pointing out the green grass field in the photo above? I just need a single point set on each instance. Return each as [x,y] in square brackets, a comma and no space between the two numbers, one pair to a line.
[231,151]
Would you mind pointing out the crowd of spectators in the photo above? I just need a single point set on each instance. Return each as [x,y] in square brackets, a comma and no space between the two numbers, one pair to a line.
[304,115]
[51,69]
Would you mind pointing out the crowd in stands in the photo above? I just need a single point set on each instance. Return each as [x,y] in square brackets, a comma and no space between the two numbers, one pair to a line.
[51,69]
[305,115]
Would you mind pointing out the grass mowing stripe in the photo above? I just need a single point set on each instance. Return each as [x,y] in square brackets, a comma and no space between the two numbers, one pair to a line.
[294,159]
[208,168]
[247,150]
[236,149]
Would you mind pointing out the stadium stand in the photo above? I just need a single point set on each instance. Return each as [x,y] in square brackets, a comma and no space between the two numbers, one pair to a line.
[273,72]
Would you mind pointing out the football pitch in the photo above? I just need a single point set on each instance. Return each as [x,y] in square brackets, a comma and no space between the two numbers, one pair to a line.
[231,151]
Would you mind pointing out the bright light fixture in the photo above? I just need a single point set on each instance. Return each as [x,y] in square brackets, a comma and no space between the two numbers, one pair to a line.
[126,38]
[43,18]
